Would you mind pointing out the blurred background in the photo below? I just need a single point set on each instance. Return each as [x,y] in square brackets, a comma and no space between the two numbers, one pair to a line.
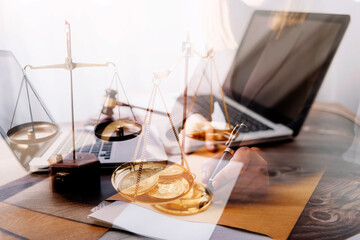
[146,36]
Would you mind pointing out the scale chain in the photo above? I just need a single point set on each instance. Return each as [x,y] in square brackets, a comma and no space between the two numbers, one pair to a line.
[127,100]
[17,102]
[28,98]
[222,93]
[117,97]
[174,130]
[146,133]
[197,88]
[145,119]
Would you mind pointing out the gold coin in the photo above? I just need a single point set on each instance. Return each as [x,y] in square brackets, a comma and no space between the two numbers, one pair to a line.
[148,180]
[161,181]
[193,196]
[172,170]
[169,190]
[197,200]
[197,130]
[209,131]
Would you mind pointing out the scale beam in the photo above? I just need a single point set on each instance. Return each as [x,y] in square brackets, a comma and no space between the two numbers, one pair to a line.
[79,65]
[70,66]
[46,66]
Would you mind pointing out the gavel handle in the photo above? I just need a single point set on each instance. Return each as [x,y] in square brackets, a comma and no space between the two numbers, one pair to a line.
[142,108]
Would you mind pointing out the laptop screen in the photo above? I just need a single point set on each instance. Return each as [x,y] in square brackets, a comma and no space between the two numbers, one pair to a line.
[14,95]
[281,62]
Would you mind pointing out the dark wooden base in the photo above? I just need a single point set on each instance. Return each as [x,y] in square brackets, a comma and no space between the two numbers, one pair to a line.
[81,174]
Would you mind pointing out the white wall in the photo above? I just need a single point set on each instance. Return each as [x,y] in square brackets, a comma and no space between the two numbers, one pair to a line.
[139,36]
[142,37]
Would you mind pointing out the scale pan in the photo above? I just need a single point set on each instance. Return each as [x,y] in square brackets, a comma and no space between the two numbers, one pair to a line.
[158,181]
[32,132]
[119,130]
[197,200]
[209,131]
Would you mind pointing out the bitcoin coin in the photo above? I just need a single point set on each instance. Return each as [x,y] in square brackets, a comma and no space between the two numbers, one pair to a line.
[197,200]
[160,181]
[148,180]
[209,131]
[173,170]
[170,189]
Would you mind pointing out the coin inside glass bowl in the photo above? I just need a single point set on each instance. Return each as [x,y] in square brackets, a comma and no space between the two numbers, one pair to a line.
[148,180]
[170,189]
[152,181]
[172,171]
[197,200]
[209,131]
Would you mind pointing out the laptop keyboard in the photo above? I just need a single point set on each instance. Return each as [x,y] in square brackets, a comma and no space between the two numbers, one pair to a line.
[86,142]
[235,115]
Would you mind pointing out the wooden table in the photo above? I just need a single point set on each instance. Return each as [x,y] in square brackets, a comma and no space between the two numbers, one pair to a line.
[30,210]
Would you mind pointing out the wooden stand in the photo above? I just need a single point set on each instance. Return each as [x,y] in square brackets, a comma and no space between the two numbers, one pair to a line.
[82,174]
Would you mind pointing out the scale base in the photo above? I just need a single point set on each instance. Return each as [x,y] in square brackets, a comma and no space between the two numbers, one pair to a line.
[197,200]
[82,174]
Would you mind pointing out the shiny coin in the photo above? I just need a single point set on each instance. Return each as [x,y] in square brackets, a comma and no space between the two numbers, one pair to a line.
[197,200]
[169,190]
[148,180]
[209,131]
[172,171]
[161,181]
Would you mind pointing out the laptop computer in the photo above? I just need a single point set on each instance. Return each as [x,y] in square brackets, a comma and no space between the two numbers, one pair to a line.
[35,157]
[275,75]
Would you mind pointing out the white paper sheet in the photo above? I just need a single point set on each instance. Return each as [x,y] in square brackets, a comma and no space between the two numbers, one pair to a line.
[136,219]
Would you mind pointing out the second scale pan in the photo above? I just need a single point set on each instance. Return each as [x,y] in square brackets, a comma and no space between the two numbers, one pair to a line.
[209,131]
[152,181]
[32,132]
[119,130]
[197,200]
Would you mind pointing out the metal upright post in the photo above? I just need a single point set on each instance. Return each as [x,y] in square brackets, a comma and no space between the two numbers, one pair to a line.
[187,50]
[70,66]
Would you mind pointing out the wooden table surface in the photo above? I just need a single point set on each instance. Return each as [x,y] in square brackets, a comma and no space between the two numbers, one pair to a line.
[30,210]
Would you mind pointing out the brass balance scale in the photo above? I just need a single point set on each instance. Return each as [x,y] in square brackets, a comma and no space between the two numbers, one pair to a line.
[34,132]
[170,187]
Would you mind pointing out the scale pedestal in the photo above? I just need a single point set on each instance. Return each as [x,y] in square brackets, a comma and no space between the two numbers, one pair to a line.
[81,174]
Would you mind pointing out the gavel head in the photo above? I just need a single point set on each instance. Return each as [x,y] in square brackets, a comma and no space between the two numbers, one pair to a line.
[109,102]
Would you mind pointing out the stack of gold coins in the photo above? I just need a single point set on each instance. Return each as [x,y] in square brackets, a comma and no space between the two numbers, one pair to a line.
[152,181]
[197,200]
[209,131]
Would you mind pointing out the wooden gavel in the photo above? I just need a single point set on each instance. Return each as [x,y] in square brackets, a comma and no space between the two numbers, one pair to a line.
[110,102]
